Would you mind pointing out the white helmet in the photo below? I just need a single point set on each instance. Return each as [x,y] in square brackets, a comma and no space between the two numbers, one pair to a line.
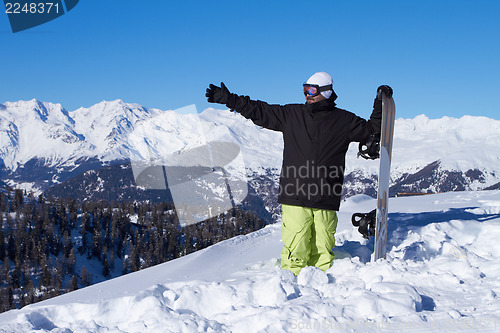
[322,79]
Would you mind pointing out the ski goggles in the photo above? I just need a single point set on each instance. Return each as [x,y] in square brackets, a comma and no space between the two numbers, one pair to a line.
[314,89]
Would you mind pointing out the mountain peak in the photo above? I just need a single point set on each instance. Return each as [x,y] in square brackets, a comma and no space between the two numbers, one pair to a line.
[31,104]
[44,111]
[112,103]
[116,108]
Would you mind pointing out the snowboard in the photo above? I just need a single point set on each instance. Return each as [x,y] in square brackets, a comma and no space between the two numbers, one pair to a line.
[374,223]
[386,140]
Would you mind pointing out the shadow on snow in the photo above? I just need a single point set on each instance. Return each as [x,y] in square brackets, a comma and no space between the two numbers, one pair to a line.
[400,224]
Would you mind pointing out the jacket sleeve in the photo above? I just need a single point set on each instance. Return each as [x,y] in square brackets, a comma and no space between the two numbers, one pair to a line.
[270,116]
[361,129]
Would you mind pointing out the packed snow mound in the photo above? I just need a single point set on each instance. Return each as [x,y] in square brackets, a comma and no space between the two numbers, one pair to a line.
[442,273]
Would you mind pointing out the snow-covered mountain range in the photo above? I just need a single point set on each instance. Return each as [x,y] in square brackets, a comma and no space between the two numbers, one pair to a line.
[34,130]
[42,144]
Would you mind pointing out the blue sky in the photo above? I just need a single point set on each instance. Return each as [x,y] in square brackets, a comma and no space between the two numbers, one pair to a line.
[441,57]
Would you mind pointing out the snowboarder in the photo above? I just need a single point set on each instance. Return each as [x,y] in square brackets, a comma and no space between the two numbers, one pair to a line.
[316,137]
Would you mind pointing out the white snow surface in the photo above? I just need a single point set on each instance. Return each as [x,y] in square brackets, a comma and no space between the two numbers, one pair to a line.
[442,273]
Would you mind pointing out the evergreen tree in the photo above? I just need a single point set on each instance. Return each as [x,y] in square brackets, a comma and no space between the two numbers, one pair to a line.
[18,199]
[11,246]
[133,259]
[2,274]
[97,242]
[83,232]
[73,284]
[46,277]
[57,278]
[105,268]
[73,214]
[84,276]
[66,243]
[6,267]
[4,300]
[30,290]
[10,297]
[2,242]
[112,259]
[71,261]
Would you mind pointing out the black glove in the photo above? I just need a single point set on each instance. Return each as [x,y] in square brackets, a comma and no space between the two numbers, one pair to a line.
[218,95]
[384,89]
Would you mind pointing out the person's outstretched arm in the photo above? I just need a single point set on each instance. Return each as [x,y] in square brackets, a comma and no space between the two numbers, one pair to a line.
[261,113]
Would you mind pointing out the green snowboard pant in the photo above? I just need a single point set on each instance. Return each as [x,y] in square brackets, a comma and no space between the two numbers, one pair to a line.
[308,235]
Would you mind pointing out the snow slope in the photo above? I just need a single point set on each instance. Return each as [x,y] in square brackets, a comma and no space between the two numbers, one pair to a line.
[442,274]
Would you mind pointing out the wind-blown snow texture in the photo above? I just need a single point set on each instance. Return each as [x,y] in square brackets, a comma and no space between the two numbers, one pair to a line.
[442,274]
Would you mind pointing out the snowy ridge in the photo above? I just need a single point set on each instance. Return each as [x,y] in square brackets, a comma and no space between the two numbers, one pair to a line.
[463,144]
[34,129]
[459,144]
[442,273]
[468,147]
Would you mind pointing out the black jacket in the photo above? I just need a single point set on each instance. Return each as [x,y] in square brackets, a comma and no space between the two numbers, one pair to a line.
[316,138]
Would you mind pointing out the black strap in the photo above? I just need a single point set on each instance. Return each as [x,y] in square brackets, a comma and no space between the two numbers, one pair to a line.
[365,223]
[370,149]
[326,88]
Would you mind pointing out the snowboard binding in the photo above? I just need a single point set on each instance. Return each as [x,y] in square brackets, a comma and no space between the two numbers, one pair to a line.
[365,223]
[370,149]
